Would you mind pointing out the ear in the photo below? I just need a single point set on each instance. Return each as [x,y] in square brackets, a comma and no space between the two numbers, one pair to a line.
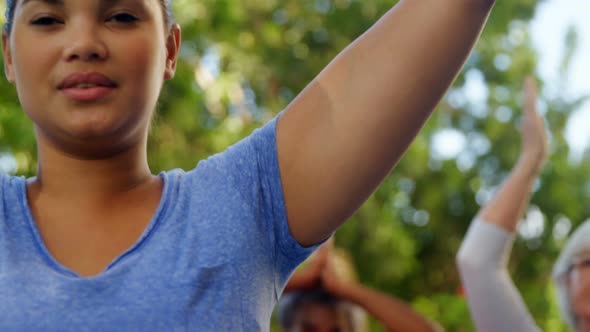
[7,55]
[172,48]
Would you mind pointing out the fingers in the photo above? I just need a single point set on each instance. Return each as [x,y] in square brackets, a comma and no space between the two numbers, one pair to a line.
[530,96]
[322,254]
[530,105]
[534,139]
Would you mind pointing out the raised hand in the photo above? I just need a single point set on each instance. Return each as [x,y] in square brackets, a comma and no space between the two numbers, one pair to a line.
[534,138]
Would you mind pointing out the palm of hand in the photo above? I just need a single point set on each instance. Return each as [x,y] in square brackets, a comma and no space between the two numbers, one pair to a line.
[534,137]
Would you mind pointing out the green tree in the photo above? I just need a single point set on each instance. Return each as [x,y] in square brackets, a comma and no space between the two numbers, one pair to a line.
[243,61]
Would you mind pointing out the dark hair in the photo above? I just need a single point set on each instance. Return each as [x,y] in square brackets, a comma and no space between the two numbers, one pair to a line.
[11,6]
[291,303]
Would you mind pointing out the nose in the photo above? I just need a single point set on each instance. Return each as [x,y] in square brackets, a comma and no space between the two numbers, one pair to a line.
[84,43]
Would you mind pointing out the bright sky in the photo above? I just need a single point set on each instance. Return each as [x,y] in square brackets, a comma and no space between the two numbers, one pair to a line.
[548,31]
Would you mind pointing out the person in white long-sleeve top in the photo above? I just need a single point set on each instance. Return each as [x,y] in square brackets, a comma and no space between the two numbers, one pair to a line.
[494,301]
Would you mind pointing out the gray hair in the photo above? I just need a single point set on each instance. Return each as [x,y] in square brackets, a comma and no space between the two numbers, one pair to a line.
[578,242]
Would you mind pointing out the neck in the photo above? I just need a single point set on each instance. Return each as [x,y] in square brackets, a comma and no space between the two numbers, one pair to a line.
[61,174]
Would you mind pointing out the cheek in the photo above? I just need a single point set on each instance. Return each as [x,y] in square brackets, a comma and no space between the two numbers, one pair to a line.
[32,63]
[582,279]
[143,57]
[143,65]
[580,291]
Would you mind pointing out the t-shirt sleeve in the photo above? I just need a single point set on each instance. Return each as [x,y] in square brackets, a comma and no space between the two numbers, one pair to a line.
[494,301]
[253,166]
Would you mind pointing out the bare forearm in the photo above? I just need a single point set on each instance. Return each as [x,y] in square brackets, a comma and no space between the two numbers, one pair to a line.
[395,315]
[401,67]
[300,281]
[354,122]
[507,206]
[392,78]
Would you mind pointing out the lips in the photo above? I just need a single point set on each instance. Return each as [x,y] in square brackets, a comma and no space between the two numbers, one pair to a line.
[87,87]
[86,79]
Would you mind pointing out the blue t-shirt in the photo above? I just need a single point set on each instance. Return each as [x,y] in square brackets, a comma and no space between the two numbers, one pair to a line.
[214,257]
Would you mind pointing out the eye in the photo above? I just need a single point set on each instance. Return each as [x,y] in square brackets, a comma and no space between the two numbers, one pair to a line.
[46,21]
[570,268]
[123,18]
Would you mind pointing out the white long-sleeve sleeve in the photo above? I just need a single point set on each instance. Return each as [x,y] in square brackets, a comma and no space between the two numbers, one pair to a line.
[494,301]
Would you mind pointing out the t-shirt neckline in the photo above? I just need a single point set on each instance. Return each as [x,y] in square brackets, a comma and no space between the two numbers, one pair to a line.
[62,269]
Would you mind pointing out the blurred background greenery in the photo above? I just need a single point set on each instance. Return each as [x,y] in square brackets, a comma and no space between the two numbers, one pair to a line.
[243,61]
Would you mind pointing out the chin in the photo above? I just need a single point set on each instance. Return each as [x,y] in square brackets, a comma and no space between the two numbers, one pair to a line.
[93,131]
[99,124]
[93,139]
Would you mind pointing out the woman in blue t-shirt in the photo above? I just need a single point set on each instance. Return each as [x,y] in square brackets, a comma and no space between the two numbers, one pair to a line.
[97,242]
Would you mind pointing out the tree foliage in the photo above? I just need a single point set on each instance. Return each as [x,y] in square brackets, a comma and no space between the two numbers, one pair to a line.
[243,61]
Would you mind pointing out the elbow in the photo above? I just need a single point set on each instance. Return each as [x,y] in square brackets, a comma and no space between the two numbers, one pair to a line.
[462,258]
[475,269]
[463,267]
[466,263]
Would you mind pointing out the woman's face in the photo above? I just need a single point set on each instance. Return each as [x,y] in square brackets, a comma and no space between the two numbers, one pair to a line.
[88,73]
[579,289]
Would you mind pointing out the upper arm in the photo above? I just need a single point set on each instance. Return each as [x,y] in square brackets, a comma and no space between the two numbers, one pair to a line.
[342,135]
[250,167]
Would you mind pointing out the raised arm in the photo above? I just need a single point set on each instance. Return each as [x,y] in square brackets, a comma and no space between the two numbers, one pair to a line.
[494,301]
[343,134]
[507,206]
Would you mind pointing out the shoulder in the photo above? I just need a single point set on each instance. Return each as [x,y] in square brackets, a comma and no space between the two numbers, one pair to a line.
[12,193]
[10,183]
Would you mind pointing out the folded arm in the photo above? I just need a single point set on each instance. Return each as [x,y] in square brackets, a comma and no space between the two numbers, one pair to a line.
[393,314]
